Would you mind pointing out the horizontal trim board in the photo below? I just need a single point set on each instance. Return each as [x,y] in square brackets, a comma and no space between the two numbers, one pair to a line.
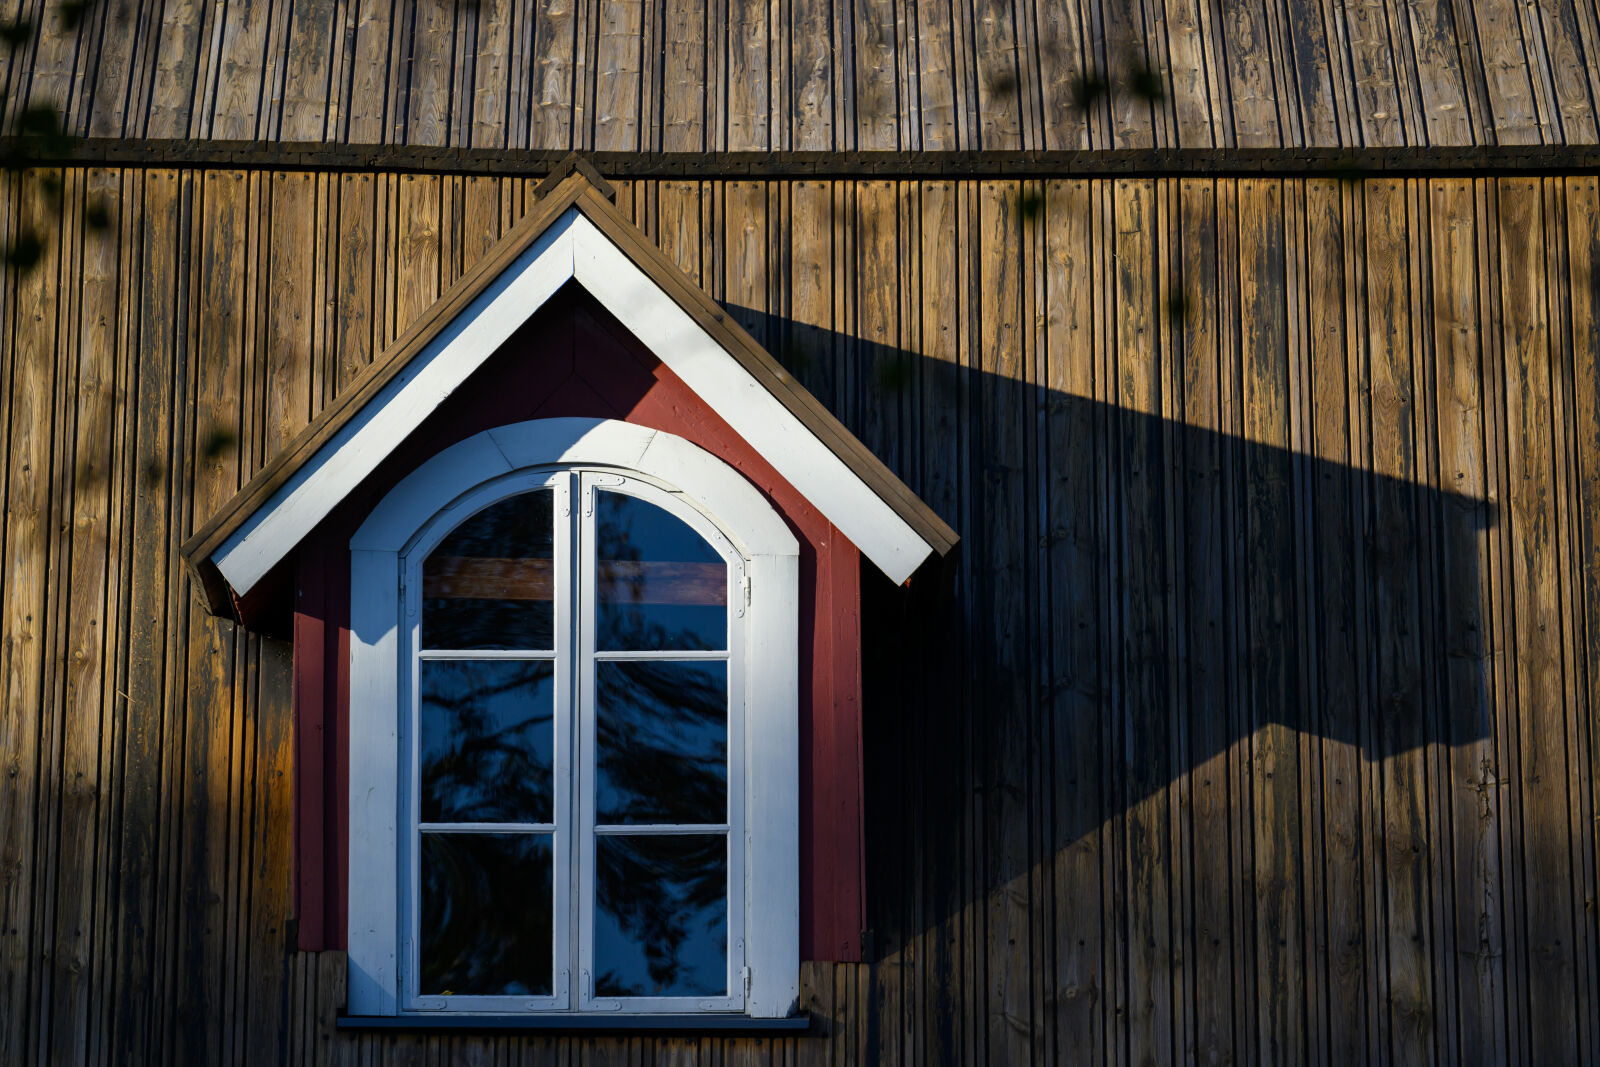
[1471,161]
[571,1023]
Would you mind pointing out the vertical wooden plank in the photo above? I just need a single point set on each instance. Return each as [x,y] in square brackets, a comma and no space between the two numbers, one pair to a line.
[27,558]
[113,72]
[1398,709]
[1140,521]
[1563,58]
[202,848]
[1340,916]
[1190,55]
[1071,524]
[1314,59]
[417,248]
[550,108]
[683,73]
[936,78]
[84,807]
[1373,63]
[240,73]
[811,119]
[355,255]
[809,347]
[308,97]
[997,67]
[877,78]
[752,68]
[172,95]
[288,314]
[53,77]
[493,62]
[1440,82]
[1250,76]
[1583,239]
[366,114]
[617,75]
[1510,93]
[427,106]
[1270,685]
[1479,948]
[1007,716]
[883,374]
[1205,605]
[1540,689]
[148,465]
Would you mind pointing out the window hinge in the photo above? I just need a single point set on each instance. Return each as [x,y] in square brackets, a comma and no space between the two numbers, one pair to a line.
[744,974]
[744,593]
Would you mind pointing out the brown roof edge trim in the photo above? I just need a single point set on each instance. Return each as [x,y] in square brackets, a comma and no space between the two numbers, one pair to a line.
[575,190]
[579,163]
[215,531]
[1304,162]
[733,338]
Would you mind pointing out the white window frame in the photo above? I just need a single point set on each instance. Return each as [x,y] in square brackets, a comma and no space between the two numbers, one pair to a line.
[712,497]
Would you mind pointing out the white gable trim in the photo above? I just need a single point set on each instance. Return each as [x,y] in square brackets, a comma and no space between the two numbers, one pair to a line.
[572,247]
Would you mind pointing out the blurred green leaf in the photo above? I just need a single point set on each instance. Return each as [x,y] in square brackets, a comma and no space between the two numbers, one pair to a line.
[1087,89]
[97,214]
[71,13]
[15,34]
[1002,82]
[1147,84]
[24,251]
[1178,306]
[218,441]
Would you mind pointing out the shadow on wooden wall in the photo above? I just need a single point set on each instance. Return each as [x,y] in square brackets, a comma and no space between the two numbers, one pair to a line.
[1165,735]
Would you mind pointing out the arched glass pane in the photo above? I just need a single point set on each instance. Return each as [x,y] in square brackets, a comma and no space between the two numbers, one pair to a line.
[491,582]
[659,584]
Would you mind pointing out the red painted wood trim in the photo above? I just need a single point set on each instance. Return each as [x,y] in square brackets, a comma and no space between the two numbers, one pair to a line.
[311,762]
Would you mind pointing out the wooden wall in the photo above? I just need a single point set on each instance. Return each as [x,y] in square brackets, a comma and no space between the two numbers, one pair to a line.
[780,75]
[1253,722]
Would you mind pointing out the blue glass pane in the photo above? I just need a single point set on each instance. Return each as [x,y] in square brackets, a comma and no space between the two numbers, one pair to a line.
[487,741]
[661,742]
[659,584]
[487,915]
[661,916]
[491,582]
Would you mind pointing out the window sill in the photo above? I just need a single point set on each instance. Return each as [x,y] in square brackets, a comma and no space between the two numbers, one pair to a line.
[573,1023]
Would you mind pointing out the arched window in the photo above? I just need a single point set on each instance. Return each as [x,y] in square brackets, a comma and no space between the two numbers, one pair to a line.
[573,739]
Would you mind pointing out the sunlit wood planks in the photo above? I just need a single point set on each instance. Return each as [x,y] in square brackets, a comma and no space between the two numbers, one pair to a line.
[1271,663]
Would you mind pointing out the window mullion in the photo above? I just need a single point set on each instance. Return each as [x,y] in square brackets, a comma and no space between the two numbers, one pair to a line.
[561,913]
[582,571]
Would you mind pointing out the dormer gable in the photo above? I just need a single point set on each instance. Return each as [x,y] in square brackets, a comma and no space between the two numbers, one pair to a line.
[573,235]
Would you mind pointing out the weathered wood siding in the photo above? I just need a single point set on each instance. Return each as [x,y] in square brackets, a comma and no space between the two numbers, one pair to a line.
[1256,724]
[703,75]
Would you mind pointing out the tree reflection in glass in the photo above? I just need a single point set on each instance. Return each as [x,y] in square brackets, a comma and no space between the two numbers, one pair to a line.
[486,741]
[661,742]
[660,585]
[486,915]
[661,916]
[491,582]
